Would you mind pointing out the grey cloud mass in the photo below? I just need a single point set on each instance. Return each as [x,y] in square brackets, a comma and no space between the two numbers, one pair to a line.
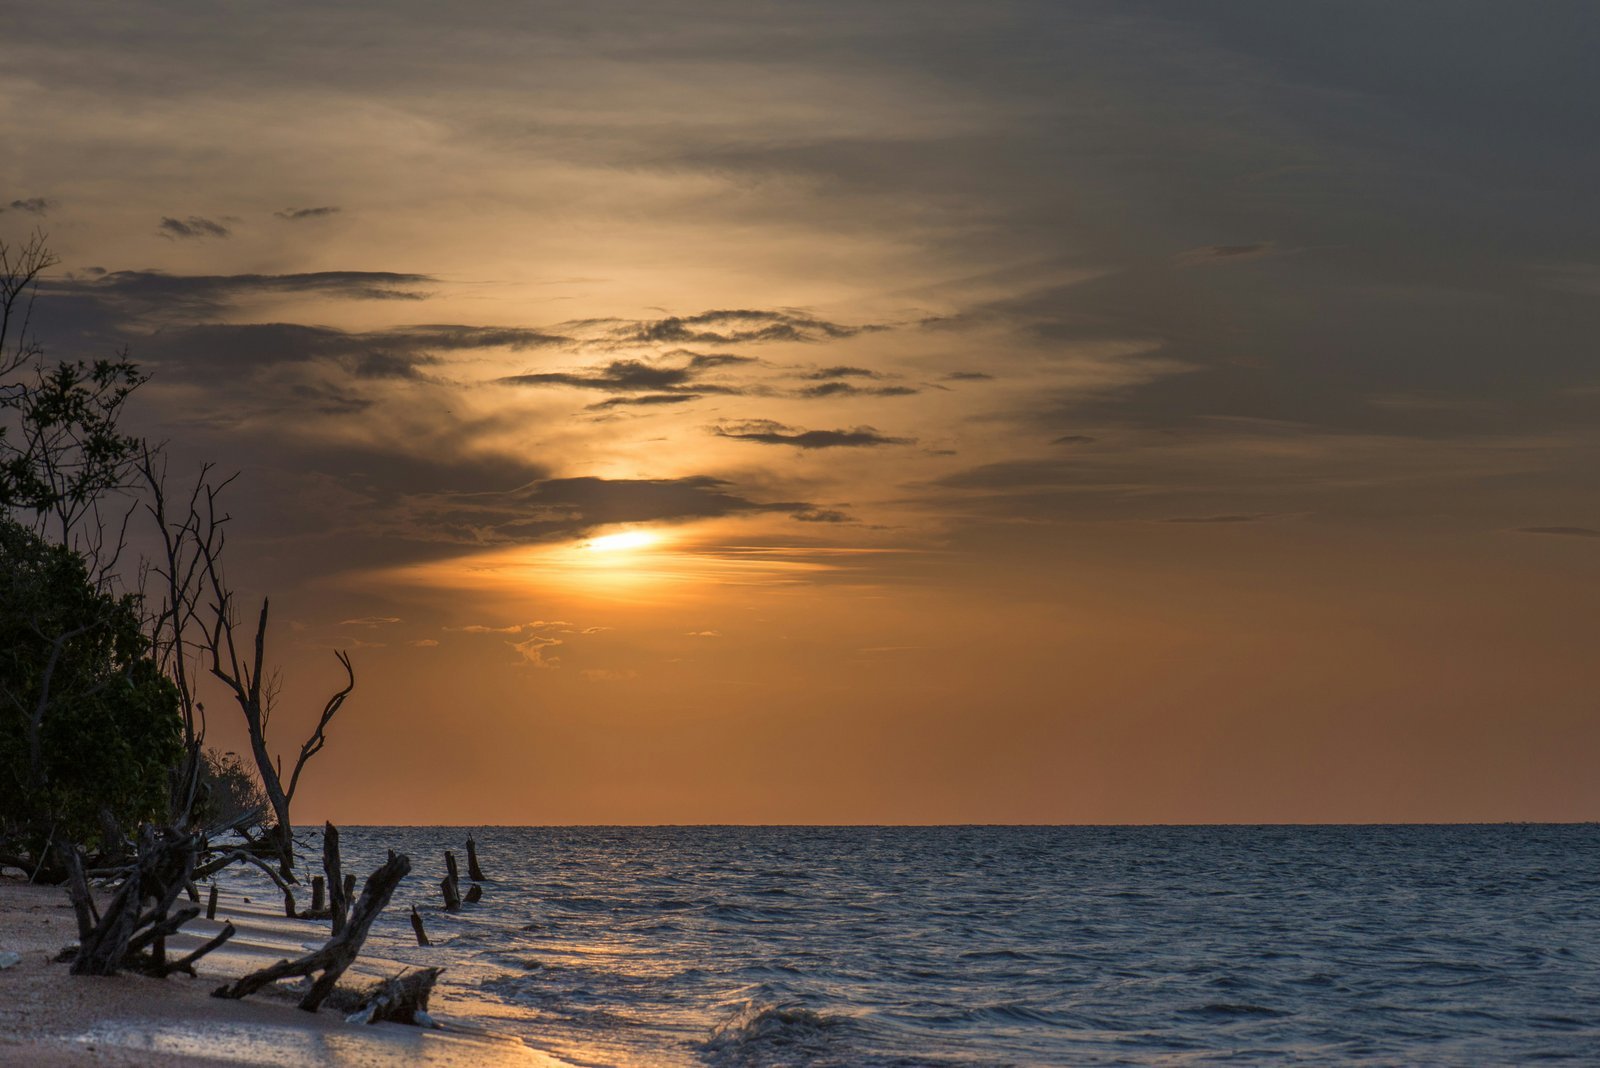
[1174,224]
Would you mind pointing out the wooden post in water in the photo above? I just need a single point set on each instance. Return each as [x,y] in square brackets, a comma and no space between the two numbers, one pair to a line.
[211,903]
[474,894]
[416,925]
[474,872]
[450,866]
[350,888]
[319,891]
[452,898]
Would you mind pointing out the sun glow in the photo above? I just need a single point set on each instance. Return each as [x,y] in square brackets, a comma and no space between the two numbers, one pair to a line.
[627,539]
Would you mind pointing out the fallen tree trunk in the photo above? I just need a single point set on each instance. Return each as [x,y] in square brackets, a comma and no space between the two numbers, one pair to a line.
[334,957]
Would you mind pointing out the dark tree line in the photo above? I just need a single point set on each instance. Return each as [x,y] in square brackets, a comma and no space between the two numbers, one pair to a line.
[104,659]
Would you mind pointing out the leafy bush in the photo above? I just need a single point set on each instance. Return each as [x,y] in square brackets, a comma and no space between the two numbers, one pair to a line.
[230,787]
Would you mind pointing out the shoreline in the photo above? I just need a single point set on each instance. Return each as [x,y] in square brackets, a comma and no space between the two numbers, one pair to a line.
[49,1017]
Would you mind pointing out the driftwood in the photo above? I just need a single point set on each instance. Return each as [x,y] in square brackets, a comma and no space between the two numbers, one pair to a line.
[129,934]
[78,891]
[474,872]
[338,888]
[334,957]
[452,897]
[416,926]
[211,903]
[211,867]
[186,963]
[161,868]
[402,999]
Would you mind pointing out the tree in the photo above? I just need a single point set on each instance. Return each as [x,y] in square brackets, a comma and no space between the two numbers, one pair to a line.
[88,724]
[198,614]
[65,465]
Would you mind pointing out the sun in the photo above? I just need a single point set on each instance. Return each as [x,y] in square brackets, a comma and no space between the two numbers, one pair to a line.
[627,539]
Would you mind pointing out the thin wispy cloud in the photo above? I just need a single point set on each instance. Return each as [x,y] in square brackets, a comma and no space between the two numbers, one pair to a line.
[302,214]
[1563,532]
[194,226]
[767,432]
[31,205]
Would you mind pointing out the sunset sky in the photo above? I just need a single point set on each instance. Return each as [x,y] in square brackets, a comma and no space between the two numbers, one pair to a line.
[866,412]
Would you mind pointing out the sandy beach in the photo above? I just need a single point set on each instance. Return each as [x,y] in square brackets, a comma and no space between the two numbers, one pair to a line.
[51,1017]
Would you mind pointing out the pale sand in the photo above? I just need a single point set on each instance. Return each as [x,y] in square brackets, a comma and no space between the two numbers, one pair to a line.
[49,1017]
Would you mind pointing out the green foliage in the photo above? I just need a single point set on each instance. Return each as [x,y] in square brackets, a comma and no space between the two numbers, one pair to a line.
[230,787]
[89,726]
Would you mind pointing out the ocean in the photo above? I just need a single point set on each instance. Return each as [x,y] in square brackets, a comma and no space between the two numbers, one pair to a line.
[876,946]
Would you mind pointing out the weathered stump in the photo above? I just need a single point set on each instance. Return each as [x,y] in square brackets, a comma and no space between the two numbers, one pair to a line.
[474,894]
[318,893]
[339,886]
[211,903]
[403,999]
[474,872]
[416,926]
[452,897]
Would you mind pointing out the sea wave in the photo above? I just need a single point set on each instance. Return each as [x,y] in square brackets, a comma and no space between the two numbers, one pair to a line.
[774,1035]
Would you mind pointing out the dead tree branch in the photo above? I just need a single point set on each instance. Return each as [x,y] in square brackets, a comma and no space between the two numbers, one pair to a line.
[335,956]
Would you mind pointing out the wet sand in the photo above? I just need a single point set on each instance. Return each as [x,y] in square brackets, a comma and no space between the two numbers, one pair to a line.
[49,1017]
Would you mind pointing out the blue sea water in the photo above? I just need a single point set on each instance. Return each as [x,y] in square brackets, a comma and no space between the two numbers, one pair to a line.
[734,946]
